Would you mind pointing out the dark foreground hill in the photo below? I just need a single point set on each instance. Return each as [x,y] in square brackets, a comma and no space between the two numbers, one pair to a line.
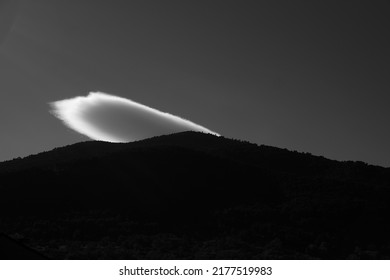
[13,250]
[192,195]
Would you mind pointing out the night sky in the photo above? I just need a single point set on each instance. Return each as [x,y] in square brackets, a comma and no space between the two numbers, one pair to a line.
[309,76]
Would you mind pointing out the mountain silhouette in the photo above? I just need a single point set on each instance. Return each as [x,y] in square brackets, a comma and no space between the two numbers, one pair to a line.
[194,196]
[14,250]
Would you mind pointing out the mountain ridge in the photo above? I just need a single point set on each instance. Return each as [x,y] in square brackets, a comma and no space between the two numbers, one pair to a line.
[200,195]
[217,145]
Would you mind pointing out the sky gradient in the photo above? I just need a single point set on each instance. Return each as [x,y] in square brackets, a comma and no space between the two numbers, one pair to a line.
[311,76]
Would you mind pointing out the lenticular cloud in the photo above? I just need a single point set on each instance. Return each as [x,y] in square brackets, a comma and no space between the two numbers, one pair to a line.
[111,118]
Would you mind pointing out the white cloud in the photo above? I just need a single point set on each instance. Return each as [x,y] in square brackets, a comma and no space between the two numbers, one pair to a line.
[111,118]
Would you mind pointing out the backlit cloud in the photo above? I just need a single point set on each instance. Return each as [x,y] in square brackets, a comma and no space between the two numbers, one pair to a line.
[111,118]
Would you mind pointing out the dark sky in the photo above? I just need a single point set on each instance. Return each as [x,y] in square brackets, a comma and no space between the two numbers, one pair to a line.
[310,76]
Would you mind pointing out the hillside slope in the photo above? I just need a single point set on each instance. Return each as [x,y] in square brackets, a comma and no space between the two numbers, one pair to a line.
[194,195]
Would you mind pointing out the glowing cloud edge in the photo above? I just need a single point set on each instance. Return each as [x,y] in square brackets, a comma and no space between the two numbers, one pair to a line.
[69,110]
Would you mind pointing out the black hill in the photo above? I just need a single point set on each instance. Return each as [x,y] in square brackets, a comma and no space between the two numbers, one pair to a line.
[194,196]
[14,250]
